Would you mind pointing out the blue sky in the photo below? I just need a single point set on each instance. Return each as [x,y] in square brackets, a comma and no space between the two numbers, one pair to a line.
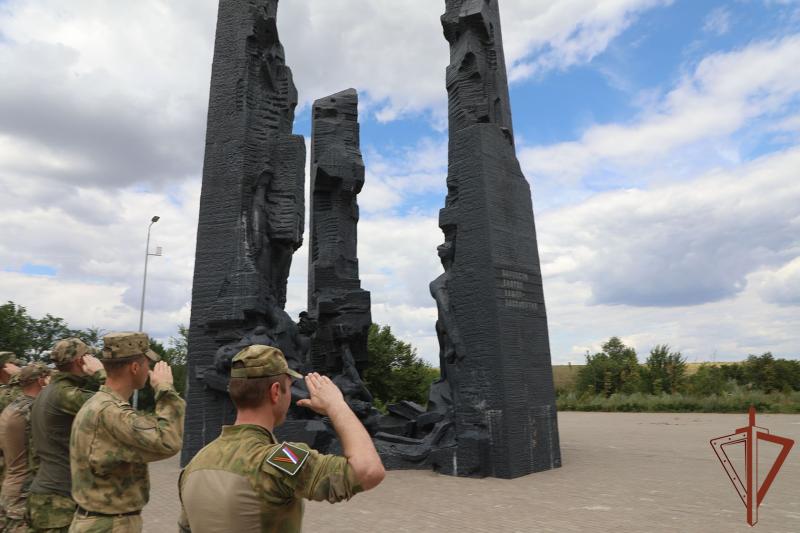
[661,140]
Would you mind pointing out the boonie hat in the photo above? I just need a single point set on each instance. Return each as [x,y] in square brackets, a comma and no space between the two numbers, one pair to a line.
[32,372]
[123,345]
[261,362]
[68,349]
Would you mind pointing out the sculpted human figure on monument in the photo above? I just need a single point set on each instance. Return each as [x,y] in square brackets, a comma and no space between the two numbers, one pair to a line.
[451,346]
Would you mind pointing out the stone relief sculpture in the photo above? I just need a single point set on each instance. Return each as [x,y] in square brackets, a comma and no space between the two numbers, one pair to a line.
[492,413]
[252,212]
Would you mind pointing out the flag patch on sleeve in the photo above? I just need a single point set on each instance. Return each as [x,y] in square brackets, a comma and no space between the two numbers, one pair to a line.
[288,458]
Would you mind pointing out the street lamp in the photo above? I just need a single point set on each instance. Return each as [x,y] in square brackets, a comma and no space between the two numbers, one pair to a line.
[147,255]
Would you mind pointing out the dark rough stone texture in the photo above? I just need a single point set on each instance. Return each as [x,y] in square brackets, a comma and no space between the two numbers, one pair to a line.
[496,392]
[251,213]
[337,305]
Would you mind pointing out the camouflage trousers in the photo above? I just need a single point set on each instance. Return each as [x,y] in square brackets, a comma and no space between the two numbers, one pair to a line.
[106,524]
[50,513]
[17,526]
[12,514]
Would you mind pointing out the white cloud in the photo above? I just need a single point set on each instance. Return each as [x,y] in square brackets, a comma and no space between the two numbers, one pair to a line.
[718,21]
[782,286]
[724,93]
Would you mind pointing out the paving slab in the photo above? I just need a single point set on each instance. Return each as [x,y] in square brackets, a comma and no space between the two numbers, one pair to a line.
[623,472]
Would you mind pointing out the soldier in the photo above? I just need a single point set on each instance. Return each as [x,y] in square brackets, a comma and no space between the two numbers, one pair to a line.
[111,443]
[15,442]
[9,390]
[246,480]
[50,503]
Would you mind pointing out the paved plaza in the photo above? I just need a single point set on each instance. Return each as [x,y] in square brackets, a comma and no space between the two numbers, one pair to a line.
[622,473]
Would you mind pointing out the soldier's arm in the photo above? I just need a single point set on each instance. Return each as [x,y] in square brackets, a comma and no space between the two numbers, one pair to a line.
[71,399]
[148,438]
[183,521]
[321,478]
[326,399]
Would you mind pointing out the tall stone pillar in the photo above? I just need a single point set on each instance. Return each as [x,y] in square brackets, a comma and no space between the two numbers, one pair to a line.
[492,326]
[251,212]
[336,302]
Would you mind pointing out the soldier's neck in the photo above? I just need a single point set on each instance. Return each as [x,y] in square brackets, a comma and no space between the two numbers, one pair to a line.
[123,388]
[257,417]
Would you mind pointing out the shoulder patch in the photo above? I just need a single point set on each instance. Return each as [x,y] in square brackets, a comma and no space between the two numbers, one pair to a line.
[288,458]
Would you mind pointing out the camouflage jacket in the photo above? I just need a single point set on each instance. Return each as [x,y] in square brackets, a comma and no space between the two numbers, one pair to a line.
[53,412]
[8,393]
[239,483]
[15,442]
[111,444]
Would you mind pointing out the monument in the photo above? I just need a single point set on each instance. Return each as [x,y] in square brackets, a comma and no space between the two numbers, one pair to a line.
[337,304]
[493,411]
[251,213]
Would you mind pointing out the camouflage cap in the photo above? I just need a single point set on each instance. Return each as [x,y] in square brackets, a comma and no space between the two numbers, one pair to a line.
[32,372]
[261,362]
[8,357]
[68,349]
[127,345]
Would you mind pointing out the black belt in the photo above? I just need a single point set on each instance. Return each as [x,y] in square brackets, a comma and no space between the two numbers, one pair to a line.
[83,512]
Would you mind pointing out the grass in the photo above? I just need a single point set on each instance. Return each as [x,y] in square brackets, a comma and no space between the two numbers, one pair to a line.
[738,401]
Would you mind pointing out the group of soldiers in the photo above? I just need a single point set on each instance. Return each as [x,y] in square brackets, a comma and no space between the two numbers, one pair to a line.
[75,452]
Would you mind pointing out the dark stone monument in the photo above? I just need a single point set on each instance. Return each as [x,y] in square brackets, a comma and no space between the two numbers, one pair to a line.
[337,304]
[251,213]
[493,411]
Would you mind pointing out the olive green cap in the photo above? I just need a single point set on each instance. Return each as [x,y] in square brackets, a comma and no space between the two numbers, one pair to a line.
[261,362]
[30,373]
[127,345]
[68,349]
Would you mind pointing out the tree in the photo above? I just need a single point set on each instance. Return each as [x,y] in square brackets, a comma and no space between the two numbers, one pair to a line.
[664,371]
[395,371]
[44,333]
[14,324]
[615,369]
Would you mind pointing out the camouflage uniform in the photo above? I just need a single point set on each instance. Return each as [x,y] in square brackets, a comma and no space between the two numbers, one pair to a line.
[246,480]
[8,393]
[50,504]
[15,441]
[111,444]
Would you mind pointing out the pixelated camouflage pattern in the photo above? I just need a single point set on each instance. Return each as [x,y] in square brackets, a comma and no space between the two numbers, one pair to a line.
[31,372]
[68,349]
[111,444]
[244,450]
[261,361]
[106,524]
[14,493]
[50,512]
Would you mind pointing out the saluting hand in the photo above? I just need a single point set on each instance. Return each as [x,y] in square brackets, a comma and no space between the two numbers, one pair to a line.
[161,373]
[91,364]
[324,395]
[10,369]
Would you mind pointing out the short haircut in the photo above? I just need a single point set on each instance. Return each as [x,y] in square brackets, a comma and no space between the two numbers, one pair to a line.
[115,366]
[64,366]
[250,393]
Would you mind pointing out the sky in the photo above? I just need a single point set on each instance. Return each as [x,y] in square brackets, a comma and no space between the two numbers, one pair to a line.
[661,140]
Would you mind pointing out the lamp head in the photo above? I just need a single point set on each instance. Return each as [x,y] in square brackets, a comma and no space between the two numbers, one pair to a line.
[155,219]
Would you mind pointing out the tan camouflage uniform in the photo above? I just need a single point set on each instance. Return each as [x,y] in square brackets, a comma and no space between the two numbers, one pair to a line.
[111,444]
[230,485]
[50,504]
[236,483]
[17,449]
[8,393]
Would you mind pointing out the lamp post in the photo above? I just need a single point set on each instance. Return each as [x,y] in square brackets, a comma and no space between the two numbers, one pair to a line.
[147,255]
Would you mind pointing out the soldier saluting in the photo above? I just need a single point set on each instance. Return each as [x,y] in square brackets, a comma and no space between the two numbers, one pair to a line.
[111,443]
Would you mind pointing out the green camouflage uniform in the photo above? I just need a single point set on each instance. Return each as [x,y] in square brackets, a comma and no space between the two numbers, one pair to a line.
[111,444]
[50,504]
[246,480]
[15,442]
[231,486]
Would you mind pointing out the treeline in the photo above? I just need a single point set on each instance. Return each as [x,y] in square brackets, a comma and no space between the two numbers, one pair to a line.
[614,380]
[395,372]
